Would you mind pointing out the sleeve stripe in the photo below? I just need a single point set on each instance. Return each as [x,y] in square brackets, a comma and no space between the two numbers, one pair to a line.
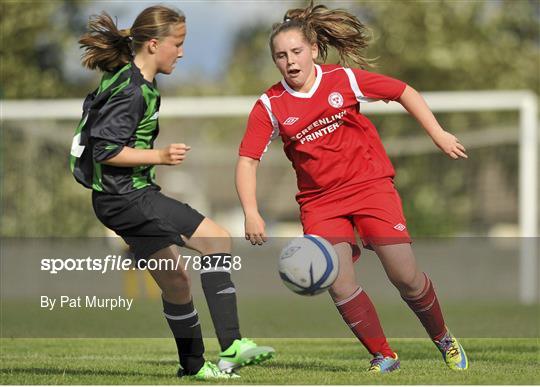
[266,102]
[355,88]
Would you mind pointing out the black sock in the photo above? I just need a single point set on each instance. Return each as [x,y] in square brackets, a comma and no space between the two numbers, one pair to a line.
[220,296]
[184,323]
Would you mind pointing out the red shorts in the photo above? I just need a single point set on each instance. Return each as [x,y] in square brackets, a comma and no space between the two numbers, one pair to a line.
[375,212]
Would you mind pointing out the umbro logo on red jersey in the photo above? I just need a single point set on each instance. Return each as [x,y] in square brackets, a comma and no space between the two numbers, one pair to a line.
[400,227]
[290,120]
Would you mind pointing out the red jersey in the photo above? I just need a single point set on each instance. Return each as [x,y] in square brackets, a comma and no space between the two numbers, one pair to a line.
[333,148]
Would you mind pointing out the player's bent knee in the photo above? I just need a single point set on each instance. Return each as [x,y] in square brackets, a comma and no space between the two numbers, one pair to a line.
[219,242]
[340,291]
[210,238]
[177,282]
[408,284]
[224,235]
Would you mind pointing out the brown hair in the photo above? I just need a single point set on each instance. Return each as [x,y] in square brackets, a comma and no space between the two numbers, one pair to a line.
[336,28]
[107,48]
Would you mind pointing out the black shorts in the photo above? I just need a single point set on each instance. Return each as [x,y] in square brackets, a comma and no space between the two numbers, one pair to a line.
[147,220]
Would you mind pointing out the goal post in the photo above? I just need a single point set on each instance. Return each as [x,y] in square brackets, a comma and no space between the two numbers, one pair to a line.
[524,102]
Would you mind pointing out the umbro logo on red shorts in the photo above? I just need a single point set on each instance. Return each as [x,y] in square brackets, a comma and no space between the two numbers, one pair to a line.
[290,120]
[399,227]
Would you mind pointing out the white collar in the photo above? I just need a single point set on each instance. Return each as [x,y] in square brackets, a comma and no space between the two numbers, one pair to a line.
[313,89]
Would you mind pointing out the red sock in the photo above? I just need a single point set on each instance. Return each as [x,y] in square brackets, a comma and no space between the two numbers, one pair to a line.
[426,307]
[361,316]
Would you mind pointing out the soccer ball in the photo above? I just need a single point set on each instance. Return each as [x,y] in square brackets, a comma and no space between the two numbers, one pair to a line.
[308,265]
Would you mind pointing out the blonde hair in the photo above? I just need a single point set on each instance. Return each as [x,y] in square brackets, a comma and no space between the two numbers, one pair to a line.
[327,27]
[107,48]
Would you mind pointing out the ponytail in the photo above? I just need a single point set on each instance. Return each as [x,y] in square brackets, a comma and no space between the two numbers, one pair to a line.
[107,48]
[336,28]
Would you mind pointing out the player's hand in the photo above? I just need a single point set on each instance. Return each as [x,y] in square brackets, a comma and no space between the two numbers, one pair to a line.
[255,233]
[174,154]
[450,145]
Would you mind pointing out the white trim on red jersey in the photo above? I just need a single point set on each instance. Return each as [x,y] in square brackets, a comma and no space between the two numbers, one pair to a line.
[360,97]
[313,89]
[282,111]
[266,102]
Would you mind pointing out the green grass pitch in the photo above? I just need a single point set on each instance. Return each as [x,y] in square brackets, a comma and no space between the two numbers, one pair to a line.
[298,361]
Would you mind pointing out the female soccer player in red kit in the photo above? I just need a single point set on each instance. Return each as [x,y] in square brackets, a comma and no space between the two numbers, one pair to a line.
[345,178]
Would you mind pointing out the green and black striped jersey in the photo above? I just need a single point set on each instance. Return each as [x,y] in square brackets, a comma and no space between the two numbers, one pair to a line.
[128,118]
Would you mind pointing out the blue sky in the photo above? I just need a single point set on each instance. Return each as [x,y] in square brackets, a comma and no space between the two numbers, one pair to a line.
[211,27]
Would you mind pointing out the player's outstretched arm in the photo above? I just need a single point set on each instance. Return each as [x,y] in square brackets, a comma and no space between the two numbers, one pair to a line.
[173,154]
[418,108]
[246,187]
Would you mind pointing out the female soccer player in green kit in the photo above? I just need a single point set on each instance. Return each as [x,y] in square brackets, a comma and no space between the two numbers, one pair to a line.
[116,138]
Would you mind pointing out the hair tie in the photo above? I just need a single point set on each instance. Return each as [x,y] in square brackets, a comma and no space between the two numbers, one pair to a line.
[126,34]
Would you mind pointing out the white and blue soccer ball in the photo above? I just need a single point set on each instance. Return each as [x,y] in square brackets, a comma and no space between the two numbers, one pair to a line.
[308,265]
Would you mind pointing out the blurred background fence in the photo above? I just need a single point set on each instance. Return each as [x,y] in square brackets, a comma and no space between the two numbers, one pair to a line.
[493,193]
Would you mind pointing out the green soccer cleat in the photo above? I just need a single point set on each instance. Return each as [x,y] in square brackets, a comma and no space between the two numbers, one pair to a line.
[209,371]
[382,365]
[453,354]
[241,353]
